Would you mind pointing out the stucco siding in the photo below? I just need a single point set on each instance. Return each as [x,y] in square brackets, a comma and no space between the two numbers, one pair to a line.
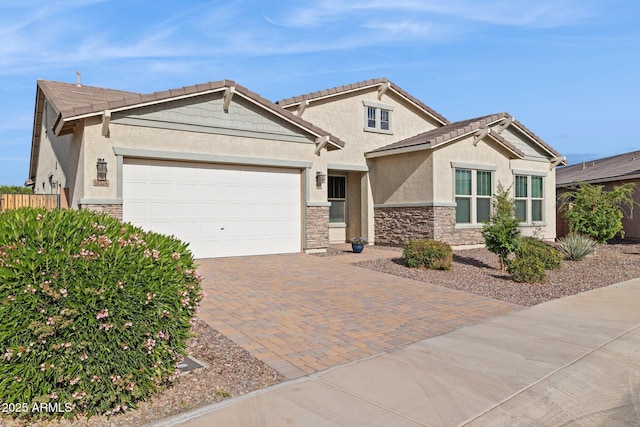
[180,141]
[53,156]
[206,114]
[531,152]
[484,154]
[344,117]
[403,178]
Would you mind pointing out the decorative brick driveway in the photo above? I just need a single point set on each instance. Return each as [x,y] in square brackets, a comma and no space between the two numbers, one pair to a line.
[301,313]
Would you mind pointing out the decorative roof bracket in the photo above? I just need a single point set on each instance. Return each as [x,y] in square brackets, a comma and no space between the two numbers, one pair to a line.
[106,118]
[228,94]
[382,89]
[481,133]
[303,106]
[321,142]
[504,124]
[556,161]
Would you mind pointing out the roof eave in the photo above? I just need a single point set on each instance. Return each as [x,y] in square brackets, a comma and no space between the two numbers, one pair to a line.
[67,117]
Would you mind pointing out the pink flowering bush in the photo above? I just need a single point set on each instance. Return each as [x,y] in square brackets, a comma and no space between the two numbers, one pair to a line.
[94,314]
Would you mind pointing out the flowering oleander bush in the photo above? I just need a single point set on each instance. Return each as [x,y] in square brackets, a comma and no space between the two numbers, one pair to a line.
[94,314]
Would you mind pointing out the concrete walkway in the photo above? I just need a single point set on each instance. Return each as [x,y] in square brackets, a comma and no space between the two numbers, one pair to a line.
[572,361]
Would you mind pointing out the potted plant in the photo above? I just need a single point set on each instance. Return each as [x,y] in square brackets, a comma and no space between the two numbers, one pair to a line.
[357,244]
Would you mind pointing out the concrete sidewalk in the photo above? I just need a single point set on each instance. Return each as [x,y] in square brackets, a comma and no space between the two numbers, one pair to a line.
[572,361]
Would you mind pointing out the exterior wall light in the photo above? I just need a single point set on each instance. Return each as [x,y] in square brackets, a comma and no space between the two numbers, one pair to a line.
[321,178]
[101,165]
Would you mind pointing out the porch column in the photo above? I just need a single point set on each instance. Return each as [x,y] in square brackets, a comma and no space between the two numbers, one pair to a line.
[366,203]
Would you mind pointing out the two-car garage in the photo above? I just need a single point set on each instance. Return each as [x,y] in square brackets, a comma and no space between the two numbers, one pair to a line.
[221,210]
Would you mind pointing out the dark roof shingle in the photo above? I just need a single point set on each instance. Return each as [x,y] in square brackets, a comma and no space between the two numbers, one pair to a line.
[451,131]
[614,168]
[361,85]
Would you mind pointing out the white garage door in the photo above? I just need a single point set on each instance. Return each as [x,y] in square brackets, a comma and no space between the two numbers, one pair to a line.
[220,210]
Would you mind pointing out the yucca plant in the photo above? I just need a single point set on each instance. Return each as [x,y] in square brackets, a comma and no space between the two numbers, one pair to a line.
[576,246]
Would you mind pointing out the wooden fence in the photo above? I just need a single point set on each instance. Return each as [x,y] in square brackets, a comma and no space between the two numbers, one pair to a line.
[15,201]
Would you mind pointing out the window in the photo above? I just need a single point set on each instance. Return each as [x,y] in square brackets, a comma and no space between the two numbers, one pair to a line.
[473,191]
[377,117]
[371,117]
[337,192]
[529,198]
[384,119]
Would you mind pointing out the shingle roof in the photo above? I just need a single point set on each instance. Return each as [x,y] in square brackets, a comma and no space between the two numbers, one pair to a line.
[71,101]
[615,168]
[452,131]
[361,85]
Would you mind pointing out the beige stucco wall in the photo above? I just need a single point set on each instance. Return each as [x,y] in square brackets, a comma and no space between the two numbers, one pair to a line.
[53,155]
[403,178]
[344,117]
[427,177]
[136,137]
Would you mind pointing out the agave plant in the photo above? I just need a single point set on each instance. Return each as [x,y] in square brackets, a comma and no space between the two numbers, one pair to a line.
[576,246]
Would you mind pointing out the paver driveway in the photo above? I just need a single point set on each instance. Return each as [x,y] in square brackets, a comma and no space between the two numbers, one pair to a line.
[301,313]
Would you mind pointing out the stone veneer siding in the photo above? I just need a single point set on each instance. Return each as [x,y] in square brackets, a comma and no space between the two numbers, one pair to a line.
[398,225]
[317,227]
[113,210]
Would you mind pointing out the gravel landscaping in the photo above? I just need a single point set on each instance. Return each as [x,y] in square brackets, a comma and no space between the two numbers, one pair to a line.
[232,371]
[477,271]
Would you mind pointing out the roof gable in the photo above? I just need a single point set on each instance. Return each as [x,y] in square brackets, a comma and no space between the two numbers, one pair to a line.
[450,133]
[614,168]
[492,126]
[381,84]
[208,114]
[73,103]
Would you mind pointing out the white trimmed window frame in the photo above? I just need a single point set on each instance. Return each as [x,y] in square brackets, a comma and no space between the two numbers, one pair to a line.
[474,196]
[378,117]
[342,200]
[529,199]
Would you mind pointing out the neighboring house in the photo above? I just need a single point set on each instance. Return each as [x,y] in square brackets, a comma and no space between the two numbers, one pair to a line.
[608,172]
[234,174]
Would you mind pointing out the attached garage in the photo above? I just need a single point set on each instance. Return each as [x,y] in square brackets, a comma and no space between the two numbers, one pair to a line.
[221,210]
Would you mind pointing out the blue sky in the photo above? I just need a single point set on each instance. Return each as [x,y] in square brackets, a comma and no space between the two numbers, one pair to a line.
[568,69]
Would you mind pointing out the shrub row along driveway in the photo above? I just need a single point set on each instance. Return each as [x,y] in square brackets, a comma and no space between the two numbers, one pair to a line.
[301,314]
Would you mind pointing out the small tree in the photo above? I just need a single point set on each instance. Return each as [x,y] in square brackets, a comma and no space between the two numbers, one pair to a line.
[597,213]
[501,232]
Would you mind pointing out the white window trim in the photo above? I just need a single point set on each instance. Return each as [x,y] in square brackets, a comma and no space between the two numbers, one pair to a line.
[473,205]
[339,224]
[529,199]
[378,108]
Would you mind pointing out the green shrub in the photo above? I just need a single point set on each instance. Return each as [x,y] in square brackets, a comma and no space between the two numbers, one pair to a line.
[576,247]
[526,269]
[501,232]
[528,246]
[94,314]
[431,254]
[597,213]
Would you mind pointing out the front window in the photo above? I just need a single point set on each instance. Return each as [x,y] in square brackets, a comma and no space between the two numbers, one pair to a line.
[337,195]
[384,119]
[371,117]
[473,189]
[529,198]
[377,117]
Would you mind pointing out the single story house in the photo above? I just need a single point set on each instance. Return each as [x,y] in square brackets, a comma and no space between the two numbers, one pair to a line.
[608,172]
[234,174]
